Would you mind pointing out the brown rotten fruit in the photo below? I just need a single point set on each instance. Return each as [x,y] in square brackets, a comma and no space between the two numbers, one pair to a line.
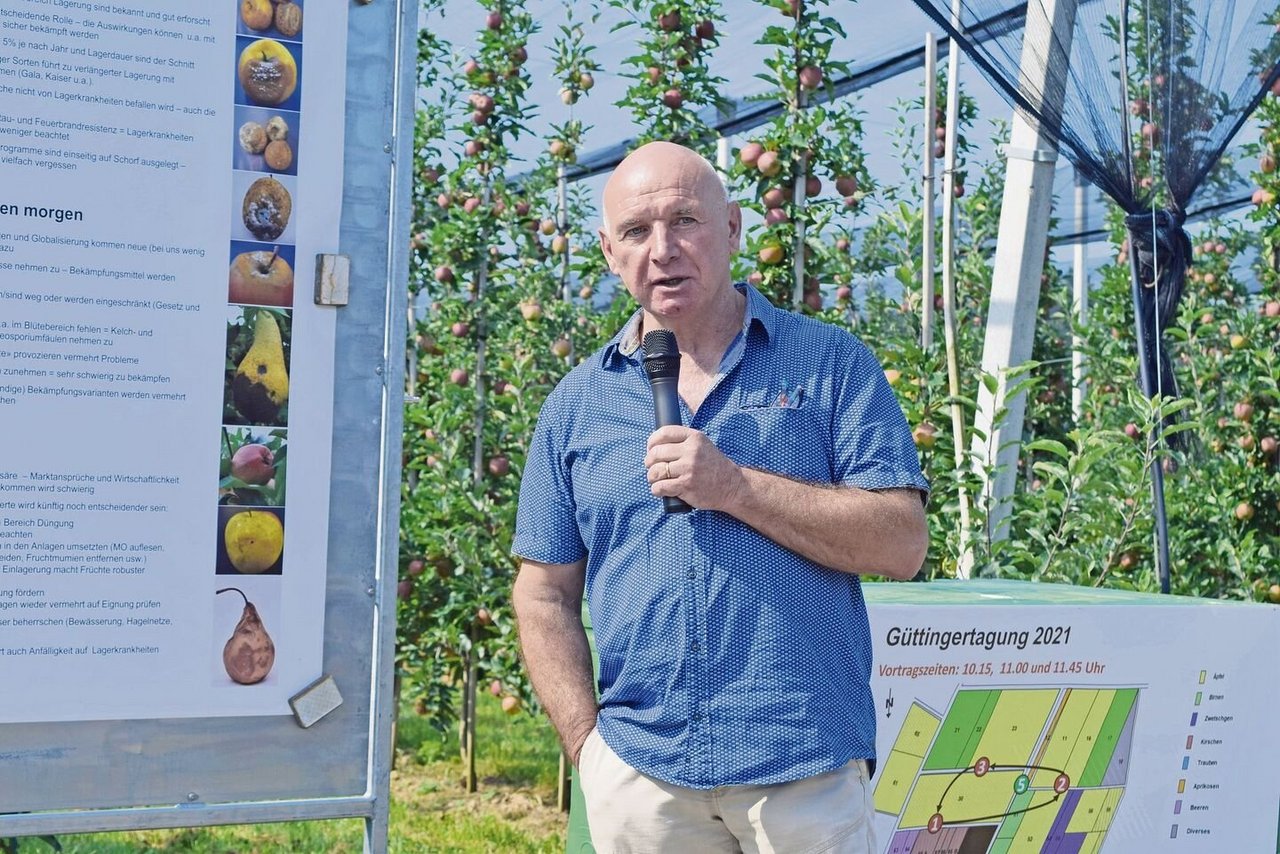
[256,14]
[249,653]
[261,278]
[268,72]
[288,19]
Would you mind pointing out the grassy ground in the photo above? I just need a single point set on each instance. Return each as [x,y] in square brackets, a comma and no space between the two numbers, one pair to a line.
[513,811]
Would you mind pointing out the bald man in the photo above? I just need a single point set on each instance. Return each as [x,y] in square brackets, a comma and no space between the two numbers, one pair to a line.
[735,710]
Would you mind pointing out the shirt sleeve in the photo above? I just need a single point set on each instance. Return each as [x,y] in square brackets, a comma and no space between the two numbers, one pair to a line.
[872,443]
[546,521]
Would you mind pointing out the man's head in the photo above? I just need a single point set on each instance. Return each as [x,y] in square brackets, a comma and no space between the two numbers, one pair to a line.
[670,230]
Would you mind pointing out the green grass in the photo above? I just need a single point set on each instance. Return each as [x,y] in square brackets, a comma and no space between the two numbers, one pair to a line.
[513,811]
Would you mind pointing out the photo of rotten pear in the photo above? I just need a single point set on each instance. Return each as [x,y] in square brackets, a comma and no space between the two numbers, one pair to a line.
[256,389]
[249,653]
[253,468]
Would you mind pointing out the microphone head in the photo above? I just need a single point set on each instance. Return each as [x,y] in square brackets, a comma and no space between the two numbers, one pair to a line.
[659,343]
[661,355]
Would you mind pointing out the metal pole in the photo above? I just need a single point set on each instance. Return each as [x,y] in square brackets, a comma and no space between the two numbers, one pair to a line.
[1149,389]
[1019,263]
[964,566]
[1080,296]
[562,228]
[927,223]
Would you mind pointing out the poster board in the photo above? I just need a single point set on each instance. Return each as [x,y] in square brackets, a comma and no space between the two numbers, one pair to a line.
[1044,717]
[1022,717]
[139,166]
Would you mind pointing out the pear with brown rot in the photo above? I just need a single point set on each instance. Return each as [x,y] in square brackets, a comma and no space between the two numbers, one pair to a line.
[249,653]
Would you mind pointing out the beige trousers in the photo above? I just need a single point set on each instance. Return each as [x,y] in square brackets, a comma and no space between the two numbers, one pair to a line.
[629,812]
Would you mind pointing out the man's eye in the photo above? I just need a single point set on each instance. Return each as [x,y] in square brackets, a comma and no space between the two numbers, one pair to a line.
[685,220]
[635,231]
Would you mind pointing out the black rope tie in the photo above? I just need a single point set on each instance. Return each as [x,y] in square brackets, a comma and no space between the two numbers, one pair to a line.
[1162,252]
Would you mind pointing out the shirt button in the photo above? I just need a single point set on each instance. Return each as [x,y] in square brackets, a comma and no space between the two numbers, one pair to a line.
[694,646]
[692,572]
[696,716]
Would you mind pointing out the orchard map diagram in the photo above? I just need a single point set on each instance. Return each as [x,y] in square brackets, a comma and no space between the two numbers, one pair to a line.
[1009,771]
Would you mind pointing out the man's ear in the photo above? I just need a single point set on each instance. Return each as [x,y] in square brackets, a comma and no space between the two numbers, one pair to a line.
[735,227]
[607,249]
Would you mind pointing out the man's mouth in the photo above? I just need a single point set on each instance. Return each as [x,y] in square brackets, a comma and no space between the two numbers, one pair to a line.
[669,282]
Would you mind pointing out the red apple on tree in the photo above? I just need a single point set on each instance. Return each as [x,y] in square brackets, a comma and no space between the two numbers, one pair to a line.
[494,20]
[925,435]
[705,29]
[444,274]
[750,153]
[769,164]
[846,185]
[776,216]
[810,76]
[416,566]
[771,253]
[459,376]
[673,98]
[561,348]
[499,466]
[669,21]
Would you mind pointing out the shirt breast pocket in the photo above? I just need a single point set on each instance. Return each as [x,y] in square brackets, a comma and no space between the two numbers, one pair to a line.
[786,440]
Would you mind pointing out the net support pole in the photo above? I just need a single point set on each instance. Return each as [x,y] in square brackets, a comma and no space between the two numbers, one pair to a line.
[1019,262]
[1150,389]
[928,191]
[1080,298]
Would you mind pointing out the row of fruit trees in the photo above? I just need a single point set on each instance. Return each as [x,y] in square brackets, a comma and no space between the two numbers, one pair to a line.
[508,290]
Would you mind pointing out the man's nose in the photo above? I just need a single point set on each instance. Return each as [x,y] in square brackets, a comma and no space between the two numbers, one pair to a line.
[663,247]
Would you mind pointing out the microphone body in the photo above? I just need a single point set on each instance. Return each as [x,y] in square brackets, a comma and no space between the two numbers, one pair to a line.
[662,366]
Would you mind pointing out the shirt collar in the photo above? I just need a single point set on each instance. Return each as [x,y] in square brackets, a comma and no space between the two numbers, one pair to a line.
[626,343]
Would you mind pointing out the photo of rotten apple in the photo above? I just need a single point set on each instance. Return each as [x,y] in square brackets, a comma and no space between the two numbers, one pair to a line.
[260,274]
[268,73]
[253,468]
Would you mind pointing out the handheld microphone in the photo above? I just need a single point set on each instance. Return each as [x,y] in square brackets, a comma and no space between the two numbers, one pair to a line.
[662,365]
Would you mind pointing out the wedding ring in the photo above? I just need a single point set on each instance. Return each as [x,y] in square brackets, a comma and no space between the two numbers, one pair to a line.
[667,476]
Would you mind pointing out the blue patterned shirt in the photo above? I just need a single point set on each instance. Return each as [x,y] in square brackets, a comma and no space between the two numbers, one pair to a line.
[725,658]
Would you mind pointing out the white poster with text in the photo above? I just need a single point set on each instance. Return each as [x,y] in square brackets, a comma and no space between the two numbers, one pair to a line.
[168,173]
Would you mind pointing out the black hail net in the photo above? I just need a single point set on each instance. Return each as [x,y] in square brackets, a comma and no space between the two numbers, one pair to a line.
[1142,96]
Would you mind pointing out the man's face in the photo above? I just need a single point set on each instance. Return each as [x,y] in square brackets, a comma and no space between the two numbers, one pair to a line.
[669,234]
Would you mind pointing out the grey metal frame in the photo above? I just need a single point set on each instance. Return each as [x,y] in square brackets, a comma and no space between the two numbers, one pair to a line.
[81,777]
